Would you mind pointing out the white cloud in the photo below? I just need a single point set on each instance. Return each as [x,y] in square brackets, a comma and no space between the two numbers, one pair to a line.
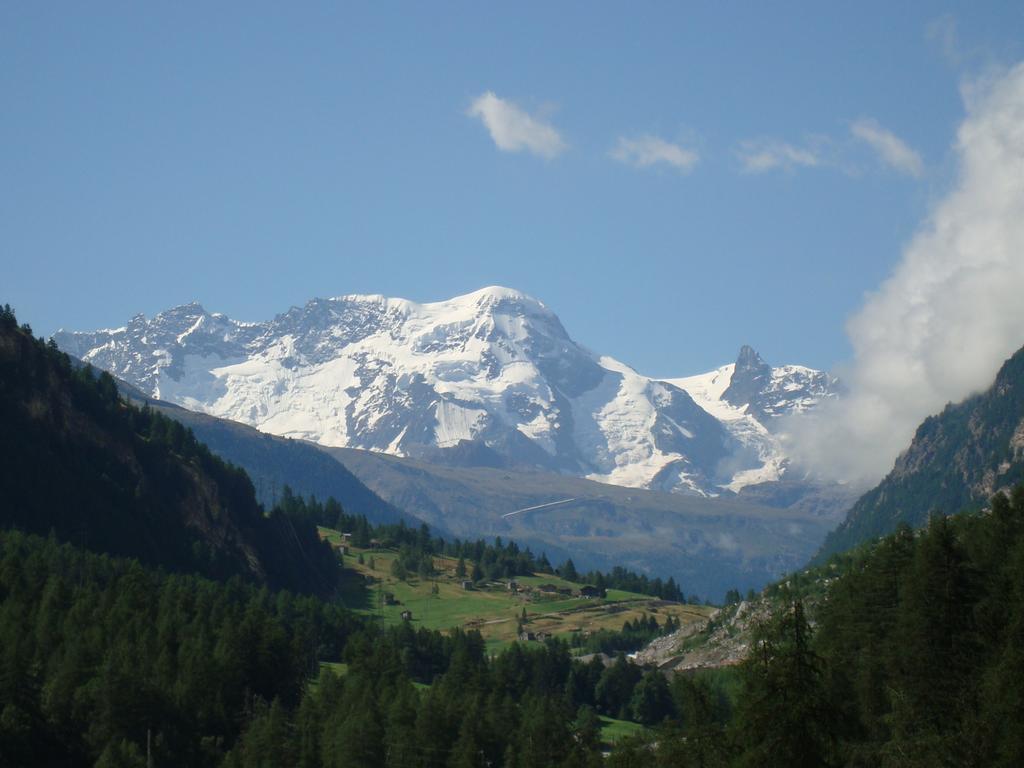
[513,130]
[941,325]
[760,155]
[646,151]
[893,151]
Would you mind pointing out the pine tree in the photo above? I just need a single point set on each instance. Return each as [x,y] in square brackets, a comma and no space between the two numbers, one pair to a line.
[937,645]
[785,718]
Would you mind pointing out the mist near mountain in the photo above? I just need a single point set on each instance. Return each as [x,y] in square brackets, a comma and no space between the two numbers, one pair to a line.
[942,324]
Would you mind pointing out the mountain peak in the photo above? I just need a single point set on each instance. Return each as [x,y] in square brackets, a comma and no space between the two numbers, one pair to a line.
[748,358]
[488,296]
[496,293]
[750,378]
[498,297]
[192,309]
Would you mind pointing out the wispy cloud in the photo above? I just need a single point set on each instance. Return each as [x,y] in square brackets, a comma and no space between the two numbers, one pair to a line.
[889,147]
[646,151]
[941,325]
[761,155]
[941,32]
[513,129]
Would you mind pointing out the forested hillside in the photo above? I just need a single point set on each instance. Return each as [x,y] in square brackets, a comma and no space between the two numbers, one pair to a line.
[97,652]
[81,463]
[924,644]
[956,461]
[273,462]
[911,657]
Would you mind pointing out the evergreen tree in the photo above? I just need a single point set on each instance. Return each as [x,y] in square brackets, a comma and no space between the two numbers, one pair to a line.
[651,702]
[785,718]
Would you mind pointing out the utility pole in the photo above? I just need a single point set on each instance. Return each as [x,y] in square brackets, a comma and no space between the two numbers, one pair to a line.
[149,748]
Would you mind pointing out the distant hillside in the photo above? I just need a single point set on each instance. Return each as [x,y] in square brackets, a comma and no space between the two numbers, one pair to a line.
[81,464]
[273,462]
[708,545]
[957,460]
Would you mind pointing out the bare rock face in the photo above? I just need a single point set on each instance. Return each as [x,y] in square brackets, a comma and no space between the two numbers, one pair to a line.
[751,376]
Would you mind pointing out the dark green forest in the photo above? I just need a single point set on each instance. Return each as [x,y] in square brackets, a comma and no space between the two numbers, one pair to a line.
[96,651]
[110,477]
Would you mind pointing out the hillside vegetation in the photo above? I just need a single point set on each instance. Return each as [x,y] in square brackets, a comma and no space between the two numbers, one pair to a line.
[957,460]
[438,600]
[907,652]
[709,544]
[81,463]
[274,462]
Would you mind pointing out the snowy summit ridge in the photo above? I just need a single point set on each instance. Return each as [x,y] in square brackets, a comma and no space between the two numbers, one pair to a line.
[488,378]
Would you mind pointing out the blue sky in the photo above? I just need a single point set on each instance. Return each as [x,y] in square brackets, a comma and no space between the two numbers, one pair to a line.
[254,156]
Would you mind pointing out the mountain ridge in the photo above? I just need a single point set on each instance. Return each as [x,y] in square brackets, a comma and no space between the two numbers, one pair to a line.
[957,460]
[85,466]
[494,368]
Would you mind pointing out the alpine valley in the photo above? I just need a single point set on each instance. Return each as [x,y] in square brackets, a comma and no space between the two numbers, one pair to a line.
[463,411]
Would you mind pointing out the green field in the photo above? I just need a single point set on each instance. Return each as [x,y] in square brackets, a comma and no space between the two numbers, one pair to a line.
[613,730]
[492,608]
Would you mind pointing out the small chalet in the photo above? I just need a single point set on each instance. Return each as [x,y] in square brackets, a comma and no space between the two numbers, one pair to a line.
[389,598]
[406,615]
[467,585]
[513,585]
[589,592]
[527,637]
[548,589]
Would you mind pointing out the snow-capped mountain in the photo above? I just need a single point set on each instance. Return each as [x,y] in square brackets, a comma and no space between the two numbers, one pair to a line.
[489,378]
[749,397]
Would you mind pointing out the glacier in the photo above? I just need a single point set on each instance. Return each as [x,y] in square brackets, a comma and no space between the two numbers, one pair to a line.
[489,378]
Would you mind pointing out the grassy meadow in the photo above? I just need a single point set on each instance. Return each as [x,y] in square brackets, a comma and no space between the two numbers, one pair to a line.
[490,607]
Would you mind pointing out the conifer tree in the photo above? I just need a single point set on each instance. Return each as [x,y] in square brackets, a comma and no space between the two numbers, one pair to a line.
[785,718]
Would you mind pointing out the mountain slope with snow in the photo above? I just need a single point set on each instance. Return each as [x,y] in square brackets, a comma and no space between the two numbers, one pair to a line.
[748,397]
[487,378]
